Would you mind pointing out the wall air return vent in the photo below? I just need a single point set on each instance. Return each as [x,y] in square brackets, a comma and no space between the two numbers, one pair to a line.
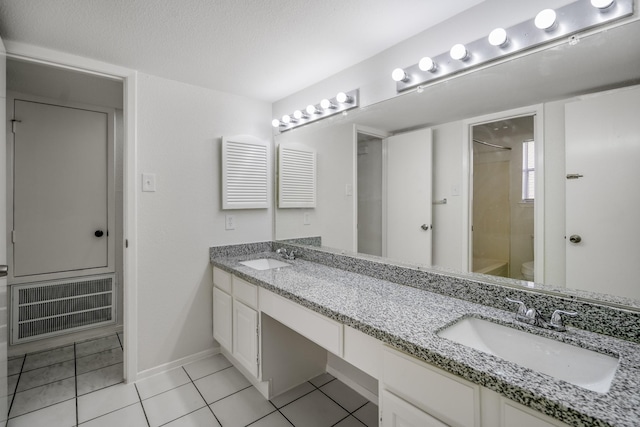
[245,173]
[297,176]
[45,309]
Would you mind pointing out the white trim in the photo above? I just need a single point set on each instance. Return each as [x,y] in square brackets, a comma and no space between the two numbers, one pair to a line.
[467,177]
[63,60]
[177,363]
[354,188]
[366,130]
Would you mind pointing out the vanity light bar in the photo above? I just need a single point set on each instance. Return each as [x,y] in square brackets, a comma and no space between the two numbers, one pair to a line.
[328,107]
[567,20]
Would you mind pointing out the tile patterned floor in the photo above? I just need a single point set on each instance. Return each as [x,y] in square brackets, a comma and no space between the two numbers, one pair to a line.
[81,385]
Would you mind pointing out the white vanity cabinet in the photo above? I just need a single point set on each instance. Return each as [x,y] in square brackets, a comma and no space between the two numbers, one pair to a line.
[440,396]
[236,320]
[222,308]
[246,330]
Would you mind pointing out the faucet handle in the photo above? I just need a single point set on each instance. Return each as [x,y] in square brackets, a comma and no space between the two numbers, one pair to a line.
[556,321]
[522,308]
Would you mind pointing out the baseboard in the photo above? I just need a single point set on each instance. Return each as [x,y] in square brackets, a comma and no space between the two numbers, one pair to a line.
[177,363]
[367,394]
[262,386]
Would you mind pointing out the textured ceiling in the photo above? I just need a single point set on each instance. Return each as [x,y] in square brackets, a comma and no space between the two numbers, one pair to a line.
[264,49]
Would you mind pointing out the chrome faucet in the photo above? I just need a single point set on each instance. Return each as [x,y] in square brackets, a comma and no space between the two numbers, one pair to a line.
[532,316]
[286,255]
[556,322]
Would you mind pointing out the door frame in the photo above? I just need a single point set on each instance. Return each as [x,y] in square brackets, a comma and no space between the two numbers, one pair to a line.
[383,135]
[111,237]
[536,110]
[29,53]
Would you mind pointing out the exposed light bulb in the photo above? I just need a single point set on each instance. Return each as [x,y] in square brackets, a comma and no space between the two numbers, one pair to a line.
[601,4]
[325,104]
[286,119]
[399,75]
[545,19]
[498,37]
[427,64]
[299,115]
[343,98]
[311,109]
[275,123]
[459,52]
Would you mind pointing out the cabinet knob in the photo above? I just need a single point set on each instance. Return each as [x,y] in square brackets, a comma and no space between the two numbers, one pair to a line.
[99,233]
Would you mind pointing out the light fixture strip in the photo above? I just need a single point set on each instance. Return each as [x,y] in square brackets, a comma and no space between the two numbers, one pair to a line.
[572,18]
[336,107]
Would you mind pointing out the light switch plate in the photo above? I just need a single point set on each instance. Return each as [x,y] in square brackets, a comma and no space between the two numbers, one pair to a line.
[149,182]
[307,218]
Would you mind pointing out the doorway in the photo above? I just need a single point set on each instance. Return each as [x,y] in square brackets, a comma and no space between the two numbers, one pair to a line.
[503,197]
[56,95]
[369,192]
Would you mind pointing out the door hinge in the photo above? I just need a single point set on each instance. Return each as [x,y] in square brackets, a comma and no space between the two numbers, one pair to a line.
[126,243]
[13,236]
[13,124]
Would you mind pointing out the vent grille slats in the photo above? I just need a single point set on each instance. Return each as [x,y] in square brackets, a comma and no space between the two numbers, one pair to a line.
[245,174]
[297,177]
[51,308]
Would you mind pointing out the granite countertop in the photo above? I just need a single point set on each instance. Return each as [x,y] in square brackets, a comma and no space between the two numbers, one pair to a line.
[408,319]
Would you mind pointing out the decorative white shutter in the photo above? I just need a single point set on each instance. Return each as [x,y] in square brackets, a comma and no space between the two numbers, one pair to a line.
[297,176]
[245,173]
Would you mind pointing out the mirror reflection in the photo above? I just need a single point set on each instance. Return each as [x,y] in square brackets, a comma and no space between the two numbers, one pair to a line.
[522,170]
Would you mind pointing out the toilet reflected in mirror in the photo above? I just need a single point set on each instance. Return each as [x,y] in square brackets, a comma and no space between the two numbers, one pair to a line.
[503,182]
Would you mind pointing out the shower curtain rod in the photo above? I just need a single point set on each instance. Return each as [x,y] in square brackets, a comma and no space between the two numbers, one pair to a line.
[491,145]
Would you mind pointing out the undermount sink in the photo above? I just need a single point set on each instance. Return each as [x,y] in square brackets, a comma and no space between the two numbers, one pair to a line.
[265,263]
[584,368]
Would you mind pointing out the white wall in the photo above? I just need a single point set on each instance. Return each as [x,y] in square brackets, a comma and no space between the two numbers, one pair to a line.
[179,138]
[333,217]
[372,76]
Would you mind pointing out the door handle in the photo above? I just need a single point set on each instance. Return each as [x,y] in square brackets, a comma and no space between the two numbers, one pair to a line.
[4,269]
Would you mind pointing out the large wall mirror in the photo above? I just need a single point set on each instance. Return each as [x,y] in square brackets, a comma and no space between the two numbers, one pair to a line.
[508,195]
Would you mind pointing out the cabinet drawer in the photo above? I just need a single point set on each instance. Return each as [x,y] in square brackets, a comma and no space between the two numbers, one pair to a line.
[245,292]
[222,279]
[452,400]
[325,332]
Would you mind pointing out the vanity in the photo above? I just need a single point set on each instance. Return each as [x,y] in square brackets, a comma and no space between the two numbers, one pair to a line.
[277,319]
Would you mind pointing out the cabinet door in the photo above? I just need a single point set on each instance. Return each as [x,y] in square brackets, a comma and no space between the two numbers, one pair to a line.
[222,318]
[245,336]
[398,413]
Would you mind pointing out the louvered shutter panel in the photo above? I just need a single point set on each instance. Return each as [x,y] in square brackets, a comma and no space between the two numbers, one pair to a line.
[297,177]
[245,173]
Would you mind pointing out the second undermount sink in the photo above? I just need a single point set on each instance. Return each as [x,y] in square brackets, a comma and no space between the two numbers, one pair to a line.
[265,263]
[584,368]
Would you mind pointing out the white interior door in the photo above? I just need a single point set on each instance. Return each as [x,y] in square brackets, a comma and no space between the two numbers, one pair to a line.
[408,199]
[603,145]
[61,189]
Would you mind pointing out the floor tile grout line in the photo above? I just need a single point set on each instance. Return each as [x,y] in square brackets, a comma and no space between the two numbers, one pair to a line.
[44,384]
[15,391]
[205,400]
[102,367]
[44,407]
[141,405]
[120,341]
[296,399]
